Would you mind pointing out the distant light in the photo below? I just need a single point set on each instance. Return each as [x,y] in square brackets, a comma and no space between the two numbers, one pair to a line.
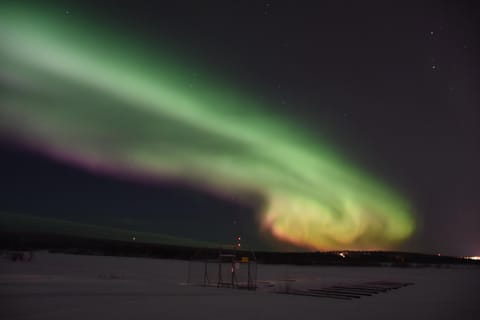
[238,245]
[134,238]
[434,67]
[239,238]
[438,254]
[472,258]
[342,254]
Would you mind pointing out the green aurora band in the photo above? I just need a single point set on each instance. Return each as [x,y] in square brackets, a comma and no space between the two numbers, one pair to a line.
[94,99]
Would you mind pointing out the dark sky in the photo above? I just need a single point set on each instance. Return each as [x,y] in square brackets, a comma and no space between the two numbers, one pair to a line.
[395,85]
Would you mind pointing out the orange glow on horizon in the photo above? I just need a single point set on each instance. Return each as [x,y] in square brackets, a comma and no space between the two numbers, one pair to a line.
[472,258]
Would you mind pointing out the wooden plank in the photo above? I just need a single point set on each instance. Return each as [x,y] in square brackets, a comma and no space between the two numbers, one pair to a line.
[337,293]
[312,294]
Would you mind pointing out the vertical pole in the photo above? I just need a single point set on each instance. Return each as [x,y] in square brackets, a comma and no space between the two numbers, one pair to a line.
[205,274]
[233,272]
[249,280]
[254,275]
[220,280]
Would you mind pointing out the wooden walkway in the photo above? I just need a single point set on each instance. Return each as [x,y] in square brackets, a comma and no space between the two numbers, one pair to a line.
[350,292]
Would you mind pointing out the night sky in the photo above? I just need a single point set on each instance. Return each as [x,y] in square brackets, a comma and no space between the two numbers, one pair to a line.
[367,113]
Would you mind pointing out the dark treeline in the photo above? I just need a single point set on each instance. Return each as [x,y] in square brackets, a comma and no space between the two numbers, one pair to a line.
[88,246]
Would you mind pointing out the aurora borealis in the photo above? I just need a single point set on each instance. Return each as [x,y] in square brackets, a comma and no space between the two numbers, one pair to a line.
[108,104]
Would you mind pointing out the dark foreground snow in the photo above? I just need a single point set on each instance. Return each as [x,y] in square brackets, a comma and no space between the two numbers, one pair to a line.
[60,286]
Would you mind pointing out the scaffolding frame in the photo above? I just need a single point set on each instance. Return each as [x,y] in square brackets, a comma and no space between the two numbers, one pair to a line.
[223,271]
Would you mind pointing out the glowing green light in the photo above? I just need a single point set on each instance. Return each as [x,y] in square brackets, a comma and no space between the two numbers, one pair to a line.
[102,103]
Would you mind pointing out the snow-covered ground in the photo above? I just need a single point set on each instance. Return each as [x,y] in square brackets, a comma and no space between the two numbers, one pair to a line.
[60,286]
